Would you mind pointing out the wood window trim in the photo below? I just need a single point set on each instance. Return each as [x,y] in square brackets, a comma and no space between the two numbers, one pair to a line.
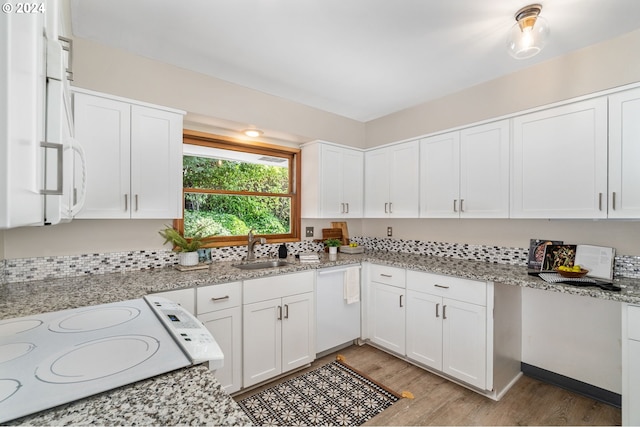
[217,141]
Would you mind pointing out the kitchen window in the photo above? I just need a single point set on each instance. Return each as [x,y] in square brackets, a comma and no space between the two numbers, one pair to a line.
[232,186]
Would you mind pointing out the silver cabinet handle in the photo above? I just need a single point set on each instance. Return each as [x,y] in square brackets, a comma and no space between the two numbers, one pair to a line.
[385,275]
[279,313]
[400,300]
[438,310]
[286,311]
[126,202]
[444,311]
[136,203]
[341,207]
[455,205]
[385,208]
[224,298]
[390,209]
[599,201]
[59,148]
[461,205]
[613,200]
[347,207]
[441,286]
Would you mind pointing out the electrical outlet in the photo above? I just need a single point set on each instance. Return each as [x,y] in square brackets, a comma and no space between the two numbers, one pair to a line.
[309,232]
[389,232]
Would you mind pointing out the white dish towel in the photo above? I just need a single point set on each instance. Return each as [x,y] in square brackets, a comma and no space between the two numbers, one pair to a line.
[352,285]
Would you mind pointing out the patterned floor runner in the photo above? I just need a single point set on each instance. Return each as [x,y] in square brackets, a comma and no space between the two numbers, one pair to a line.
[332,395]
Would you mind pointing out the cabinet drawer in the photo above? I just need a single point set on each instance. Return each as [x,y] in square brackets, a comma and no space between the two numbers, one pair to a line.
[471,291]
[266,288]
[388,275]
[218,297]
[633,322]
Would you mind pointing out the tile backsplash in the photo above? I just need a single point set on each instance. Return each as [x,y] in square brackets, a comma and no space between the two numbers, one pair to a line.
[27,269]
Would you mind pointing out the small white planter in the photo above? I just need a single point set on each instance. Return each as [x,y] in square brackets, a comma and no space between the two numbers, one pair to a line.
[188,259]
[333,250]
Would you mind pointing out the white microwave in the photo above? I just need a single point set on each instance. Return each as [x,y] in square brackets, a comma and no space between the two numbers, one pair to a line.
[37,149]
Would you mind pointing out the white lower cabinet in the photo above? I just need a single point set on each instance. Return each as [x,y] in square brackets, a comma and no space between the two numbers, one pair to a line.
[386,311]
[220,310]
[278,325]
[466,330]
[444,333]
[630,365]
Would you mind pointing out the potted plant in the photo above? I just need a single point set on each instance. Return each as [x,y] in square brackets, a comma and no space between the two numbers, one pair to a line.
[332,244]
[187,248]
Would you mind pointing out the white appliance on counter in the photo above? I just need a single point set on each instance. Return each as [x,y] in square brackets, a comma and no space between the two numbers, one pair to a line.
[337,307]
[37,150]
[54,358]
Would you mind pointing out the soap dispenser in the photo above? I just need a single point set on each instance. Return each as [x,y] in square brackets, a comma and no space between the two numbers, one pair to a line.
[282,251]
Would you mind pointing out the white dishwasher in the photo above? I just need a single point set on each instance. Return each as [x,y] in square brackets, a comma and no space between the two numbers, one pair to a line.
[337,322]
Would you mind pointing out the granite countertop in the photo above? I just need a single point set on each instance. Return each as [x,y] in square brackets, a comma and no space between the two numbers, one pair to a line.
[151,401]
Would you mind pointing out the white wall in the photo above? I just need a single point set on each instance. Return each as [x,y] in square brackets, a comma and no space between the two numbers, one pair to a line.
[575,336]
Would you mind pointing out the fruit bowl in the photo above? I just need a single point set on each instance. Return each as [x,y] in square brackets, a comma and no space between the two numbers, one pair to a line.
[572,274]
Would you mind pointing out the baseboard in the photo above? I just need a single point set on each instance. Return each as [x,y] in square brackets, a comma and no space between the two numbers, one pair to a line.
[579,387]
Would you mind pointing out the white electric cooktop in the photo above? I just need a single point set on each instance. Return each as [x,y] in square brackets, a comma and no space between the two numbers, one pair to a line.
[54,358]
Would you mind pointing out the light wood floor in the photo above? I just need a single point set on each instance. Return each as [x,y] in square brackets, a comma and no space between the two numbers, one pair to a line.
[440,402]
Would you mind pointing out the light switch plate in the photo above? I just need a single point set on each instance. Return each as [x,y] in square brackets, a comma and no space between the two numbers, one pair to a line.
[389,232]
[309,231]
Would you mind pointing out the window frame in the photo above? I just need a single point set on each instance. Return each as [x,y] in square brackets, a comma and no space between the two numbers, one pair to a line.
[293,154]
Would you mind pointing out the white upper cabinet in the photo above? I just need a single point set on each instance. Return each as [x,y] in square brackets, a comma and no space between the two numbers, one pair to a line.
[392,181]
[440,176]
[624,154]
[465,174]
[332,181]
[559,162]
[134,158]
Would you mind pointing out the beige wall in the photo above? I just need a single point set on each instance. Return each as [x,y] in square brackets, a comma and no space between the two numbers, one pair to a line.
[211,102]
[593,69]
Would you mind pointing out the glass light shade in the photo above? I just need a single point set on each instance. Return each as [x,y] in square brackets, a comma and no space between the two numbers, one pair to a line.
[253,133]
[527,39]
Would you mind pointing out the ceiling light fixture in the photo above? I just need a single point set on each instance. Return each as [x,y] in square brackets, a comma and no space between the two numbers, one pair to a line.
[529,34]
[253,133]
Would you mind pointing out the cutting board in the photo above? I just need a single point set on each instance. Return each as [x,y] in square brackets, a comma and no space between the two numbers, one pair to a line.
[345,231]
[331,233]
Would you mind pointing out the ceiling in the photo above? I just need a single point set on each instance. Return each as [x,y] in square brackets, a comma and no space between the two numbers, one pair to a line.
[361,59]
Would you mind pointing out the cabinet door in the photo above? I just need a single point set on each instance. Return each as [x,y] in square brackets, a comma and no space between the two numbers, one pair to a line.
[424,329]
[404,180]
[298,331]
[156,163]
[624,155]
[464,342]
[102,127]
[632,410]
[226,328]
[352,183]
[262,341]
[440,176]
[386,317]
[484,171]
[331,182]
[560,162]
[376,184]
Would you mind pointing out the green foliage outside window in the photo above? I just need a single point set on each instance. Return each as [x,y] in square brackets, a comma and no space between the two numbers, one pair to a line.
[222,209]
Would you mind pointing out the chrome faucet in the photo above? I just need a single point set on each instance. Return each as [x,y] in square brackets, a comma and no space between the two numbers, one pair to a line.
[251,241]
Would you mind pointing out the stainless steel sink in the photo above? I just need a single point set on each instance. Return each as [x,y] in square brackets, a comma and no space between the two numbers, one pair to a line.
[261,264]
